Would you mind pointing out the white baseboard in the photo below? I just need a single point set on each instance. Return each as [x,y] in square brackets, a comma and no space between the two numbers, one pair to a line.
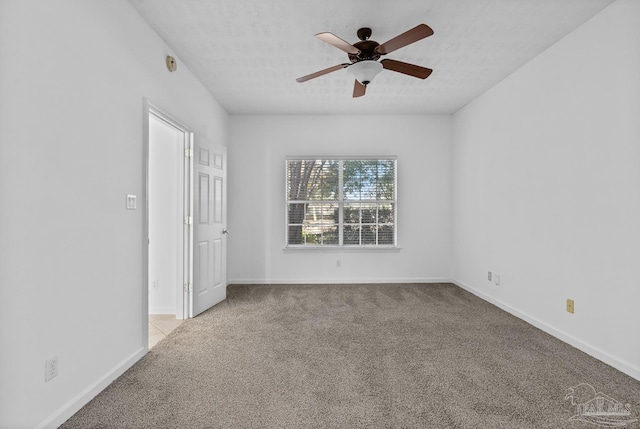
[337,281]
[83,398]
[619,364]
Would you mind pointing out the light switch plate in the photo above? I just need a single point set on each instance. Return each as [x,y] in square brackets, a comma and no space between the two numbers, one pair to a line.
[131,201]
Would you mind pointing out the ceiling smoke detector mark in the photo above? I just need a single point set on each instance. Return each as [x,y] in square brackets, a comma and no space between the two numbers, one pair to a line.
[172,65]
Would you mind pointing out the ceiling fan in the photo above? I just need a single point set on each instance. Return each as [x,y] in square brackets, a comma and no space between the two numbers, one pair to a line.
[364,55]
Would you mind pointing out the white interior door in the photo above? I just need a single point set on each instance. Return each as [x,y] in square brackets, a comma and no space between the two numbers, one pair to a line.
[209,227]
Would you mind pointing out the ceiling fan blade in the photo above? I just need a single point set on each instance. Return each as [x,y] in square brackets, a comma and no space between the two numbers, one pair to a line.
[406,68]
[358,89]
[417,33]
[321,72]
[334,40]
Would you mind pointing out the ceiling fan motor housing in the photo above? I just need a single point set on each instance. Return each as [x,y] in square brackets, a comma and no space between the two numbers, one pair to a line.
[367,51]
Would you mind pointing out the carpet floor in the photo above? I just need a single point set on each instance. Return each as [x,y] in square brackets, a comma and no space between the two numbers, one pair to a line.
[358,356]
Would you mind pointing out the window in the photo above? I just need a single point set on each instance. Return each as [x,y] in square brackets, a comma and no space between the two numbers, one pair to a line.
[341,202]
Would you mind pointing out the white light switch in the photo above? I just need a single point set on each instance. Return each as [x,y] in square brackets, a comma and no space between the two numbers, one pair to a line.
[131,201]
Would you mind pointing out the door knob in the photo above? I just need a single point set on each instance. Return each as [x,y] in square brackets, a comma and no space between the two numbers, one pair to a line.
[224,231]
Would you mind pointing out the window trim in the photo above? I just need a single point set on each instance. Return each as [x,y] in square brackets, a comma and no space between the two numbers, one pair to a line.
[341,202]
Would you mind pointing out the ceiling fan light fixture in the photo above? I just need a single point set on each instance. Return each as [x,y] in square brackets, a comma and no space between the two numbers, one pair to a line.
[364,71]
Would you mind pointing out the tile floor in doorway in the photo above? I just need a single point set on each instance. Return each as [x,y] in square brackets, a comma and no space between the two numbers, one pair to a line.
[160,325]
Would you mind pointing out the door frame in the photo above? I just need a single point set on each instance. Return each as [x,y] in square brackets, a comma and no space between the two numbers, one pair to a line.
[182,304]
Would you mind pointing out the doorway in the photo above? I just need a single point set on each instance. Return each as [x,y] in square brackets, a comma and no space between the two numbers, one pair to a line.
[168,233]
[186,235]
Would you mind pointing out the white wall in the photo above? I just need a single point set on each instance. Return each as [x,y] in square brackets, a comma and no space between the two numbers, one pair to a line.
[257,151]
[73,75]
[546,180]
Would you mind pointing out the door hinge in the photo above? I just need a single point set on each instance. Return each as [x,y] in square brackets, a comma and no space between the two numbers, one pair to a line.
[188,220]
[188,153]
[188,287]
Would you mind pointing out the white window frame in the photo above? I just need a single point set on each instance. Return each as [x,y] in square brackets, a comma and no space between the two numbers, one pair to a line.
[341,203]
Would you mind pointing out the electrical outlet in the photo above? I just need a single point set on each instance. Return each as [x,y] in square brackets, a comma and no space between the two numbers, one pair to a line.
[496,279]
[50,368]
[338,263]
[570,305]
[155,284]
[489,275]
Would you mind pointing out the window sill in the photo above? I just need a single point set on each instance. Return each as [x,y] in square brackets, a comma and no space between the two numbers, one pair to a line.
[332,249]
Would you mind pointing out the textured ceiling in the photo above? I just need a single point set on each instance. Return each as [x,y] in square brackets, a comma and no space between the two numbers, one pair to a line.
[248,53]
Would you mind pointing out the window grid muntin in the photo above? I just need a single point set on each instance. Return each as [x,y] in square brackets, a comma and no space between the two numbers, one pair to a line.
[386,230]
[375,224]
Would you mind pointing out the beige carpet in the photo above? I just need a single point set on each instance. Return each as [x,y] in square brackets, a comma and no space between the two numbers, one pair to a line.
[355,356]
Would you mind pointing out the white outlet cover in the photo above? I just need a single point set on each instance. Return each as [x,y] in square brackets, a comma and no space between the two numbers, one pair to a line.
[497,278]
[50,368]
